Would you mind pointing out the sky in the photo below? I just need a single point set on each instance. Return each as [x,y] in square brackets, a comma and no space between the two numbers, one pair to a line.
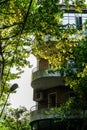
[24,94]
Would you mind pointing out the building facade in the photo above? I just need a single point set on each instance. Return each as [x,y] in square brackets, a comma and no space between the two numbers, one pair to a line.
[49,90]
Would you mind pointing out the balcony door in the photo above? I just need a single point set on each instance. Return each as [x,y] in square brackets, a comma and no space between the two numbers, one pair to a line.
[52,99]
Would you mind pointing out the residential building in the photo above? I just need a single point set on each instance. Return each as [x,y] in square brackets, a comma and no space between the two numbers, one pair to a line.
[49,90]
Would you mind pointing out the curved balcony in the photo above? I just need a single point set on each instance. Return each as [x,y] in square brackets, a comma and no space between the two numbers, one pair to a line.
[53,113]
[41,79]
[44,113]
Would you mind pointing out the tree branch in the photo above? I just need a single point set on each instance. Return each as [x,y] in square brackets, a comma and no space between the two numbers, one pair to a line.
[4,1]
[5,26]
[25,19]
[7,38]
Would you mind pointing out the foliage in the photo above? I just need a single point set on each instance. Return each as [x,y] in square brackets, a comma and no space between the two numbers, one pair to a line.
[14,42]
[37,24]
[17,119]
[2,127]
[52,34]
[78,80]
[61,44]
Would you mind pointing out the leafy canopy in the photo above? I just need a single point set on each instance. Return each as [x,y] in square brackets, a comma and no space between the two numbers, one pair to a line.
[24,25]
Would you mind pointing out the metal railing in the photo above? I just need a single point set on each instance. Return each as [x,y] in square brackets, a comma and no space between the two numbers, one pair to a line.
[38,68]
[34,108]
[43,106]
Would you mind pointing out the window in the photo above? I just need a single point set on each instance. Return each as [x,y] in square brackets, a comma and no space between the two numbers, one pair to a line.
[78,22]
[52,99]
[69,19]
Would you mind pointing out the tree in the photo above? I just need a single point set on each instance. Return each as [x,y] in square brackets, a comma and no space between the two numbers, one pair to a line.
[23,22]
[17,119]
[14,41]
[21,19]
[55,42]
[66,54]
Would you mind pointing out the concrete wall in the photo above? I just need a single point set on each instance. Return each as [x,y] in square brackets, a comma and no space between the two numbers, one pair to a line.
[62,95]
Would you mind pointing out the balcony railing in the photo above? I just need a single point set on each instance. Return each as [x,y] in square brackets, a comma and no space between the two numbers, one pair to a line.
[42,72]
[44,75]
[47,113]
[34,108]
[42,68]
[40,114]
[44,106]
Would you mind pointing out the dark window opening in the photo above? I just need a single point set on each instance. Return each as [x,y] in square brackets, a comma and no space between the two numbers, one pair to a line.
[79,23]
[52,100]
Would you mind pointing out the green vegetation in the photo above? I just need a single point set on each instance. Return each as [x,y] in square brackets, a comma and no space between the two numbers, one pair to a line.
[24,24]
[15,119]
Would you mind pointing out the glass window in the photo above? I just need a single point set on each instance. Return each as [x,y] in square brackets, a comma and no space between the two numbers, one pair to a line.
[52,99]
[78,23]
[69,18]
